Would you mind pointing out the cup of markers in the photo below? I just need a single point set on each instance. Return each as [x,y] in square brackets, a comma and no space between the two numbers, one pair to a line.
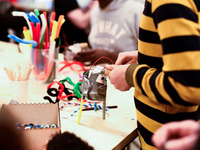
[43,39]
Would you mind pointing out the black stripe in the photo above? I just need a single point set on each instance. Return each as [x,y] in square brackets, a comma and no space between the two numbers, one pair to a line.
[170,11]
[153,62]
[197,2]
[139,78]
[152,83]
[163,117]
[147,9]
[149,36]
[181,44]
[187,78]
[146,134]
[173,93]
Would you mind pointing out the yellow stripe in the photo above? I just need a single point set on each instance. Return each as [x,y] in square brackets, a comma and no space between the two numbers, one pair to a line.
[150,49]
[165,95]
[162,91]
[146,85]
[163,107]
[149,1]
[181,109]
[147,122]
[186,61]
[168,29]
[135,80]
[144,145]
[188,3]
[187,93]
[150,103]
[147,23]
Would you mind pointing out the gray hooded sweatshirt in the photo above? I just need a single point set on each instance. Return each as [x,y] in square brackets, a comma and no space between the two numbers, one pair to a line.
[116,27]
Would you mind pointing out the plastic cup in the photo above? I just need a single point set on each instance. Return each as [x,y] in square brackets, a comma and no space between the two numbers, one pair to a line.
[45,64]
[19,90]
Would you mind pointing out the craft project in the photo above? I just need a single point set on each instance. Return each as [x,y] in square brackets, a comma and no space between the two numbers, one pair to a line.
[59,92]
[94,86]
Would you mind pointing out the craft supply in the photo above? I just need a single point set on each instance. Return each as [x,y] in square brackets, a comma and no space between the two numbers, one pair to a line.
[33,126]
[45,65]
[54,28]
[98,108]
[80,111]
[60,22]
[18,81]
[53,16]
[19,40]
[94,85]
[23,14]
[19,75]
[34,17]
[53,125]
[75,112]
[37,13]
[44,27]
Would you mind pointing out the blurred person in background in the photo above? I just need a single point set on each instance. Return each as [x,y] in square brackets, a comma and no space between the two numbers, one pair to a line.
[8,21]
[114,29]
[77,20]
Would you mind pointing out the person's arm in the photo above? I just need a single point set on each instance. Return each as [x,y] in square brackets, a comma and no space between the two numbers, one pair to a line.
[177,83]
[94,54]
[80,18]
[118,71]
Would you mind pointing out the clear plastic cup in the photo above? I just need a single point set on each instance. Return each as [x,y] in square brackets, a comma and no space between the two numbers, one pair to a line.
[45,64]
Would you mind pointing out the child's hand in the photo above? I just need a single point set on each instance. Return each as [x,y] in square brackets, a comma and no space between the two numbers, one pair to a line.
[177,135]
[127,58]
[117,77]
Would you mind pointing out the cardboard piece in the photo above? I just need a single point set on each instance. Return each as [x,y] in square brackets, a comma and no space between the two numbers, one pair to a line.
[42,113]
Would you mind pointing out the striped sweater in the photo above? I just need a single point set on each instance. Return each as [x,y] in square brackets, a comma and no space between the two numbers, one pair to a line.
[167,80]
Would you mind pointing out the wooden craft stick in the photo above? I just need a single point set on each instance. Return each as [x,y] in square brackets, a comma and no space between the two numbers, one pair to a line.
[6,70]
[14,76]
[29,71]
[10,74]
[19,75]
[25,72]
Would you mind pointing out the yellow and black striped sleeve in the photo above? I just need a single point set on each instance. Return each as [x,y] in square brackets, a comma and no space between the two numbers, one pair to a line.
[169,52]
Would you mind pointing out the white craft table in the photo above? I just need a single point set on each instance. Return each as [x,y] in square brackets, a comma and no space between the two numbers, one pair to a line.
[115,132]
